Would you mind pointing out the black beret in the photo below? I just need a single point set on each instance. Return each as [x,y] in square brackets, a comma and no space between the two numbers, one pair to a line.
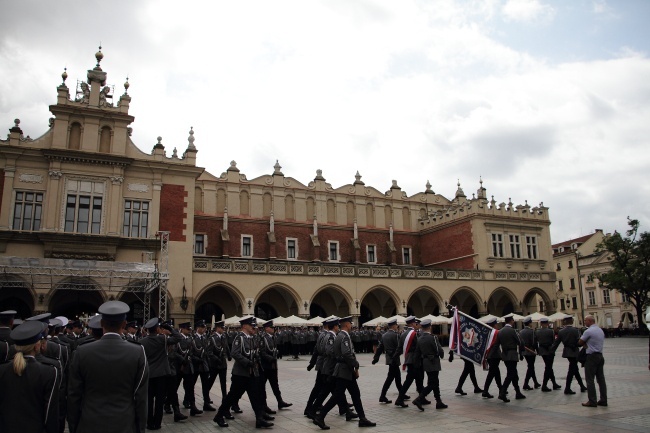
[199,324]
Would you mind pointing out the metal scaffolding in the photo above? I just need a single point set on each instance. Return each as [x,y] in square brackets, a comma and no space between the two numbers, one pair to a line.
[114,278]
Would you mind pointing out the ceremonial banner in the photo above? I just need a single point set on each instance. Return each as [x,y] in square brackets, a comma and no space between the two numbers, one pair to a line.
[470,338]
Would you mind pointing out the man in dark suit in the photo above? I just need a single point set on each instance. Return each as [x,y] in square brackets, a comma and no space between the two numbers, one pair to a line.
[155,347]
[529,341]
[407,345]
[511,351]
[388,345]
[430,351]
[569,336]
[545,338]
[107,389]
[269,363]
[346,374]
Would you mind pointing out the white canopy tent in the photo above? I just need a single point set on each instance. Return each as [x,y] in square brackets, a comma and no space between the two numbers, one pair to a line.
[290,321]
[400,319]
[536,316]
[517,317]
[487,318]
[558,316]
[437,320]
[381,320]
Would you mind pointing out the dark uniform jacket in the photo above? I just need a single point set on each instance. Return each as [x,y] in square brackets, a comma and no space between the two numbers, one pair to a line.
[107,389]
[569,337]
[184,348]
[218,351]
[346,361]
[155,347]
[200,353]
[494,351]
[430,350]
[545,339]
[388,345]
[510,343]
[529,340]
[318,356]
[243,352]
[329,360]
[35,407]
[409,358]
[7,348]
[268,352]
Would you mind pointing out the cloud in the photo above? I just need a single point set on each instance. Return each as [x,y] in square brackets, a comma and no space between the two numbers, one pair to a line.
[527,11]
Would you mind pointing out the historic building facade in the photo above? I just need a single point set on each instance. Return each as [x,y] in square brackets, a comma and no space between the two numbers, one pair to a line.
[103,220]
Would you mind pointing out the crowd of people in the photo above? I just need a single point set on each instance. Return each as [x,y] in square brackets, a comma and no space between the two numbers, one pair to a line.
[117,376]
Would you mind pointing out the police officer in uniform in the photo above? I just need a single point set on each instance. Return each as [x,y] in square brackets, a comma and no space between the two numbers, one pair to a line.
[545,338]
[218,356]
[244,370]
[316,360]
[185,368]
[28,388]
[529,341]
[388,345]
[131,331]
[569,336]
[511,350]
[493,359]
[155,347]
[407,346]
[269,362]
[7,348]
[430,351]
[201,366]
[346,373]
[108,380]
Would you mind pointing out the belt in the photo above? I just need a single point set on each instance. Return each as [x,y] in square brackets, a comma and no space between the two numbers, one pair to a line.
[594,353]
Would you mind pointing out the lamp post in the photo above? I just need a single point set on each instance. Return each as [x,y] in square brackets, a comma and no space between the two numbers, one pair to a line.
[582,304]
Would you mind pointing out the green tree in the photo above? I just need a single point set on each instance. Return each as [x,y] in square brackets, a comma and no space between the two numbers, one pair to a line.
[630,273]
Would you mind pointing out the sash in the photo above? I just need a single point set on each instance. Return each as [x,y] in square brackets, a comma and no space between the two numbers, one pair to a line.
[410,337]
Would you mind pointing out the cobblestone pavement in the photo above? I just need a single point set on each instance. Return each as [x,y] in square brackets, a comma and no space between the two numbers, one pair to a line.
[626,372]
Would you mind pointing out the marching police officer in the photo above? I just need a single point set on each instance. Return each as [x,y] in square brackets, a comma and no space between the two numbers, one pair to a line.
[269,363]
[545,338]
[511,351]
[317,358]
[201,366]
[218,356]
[408,345]
[493,359]
[430,351]
[569,336]
[388,345]
[529,341]
[185,368]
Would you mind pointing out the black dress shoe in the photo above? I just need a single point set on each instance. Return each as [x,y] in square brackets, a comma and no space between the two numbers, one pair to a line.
[477,390]
[228,415]
[320,422]
[195,411]
[365,422]
[349,416]
[406,397]
[569,391]
[503,398]
[486,394]
[546,389]
[519,396]
[236,409]
[220,421]
[458,391]
[385,400]
[441,405]
[583,389]
[208,408]
[260,423]
[418,404]
[537,385]
[589,404]
[284,405]
[268,417]
[602,403]
[187,405]
[425,401]
[556,386]
[527,388]
[400,403]
[269,411]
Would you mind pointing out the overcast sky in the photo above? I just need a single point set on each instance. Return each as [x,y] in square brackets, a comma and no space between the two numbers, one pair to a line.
[548,101]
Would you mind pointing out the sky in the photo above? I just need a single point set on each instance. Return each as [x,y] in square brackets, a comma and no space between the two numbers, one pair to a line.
[546,101]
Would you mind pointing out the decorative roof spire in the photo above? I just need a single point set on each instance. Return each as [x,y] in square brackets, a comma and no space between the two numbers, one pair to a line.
[276,169]
[233,166]
[99,56]
[319,175]
[64,75]
[159,145]
[126,86]
[394,185]
[428,186]
[357,178]
[459,191]
[190,140]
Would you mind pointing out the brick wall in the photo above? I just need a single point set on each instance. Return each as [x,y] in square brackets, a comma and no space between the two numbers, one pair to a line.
[448,243]
[173,210]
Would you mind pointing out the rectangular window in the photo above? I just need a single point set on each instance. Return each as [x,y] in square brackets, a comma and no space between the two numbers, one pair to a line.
[592,297]
[136,218]
[606,299]
[406,255]
[334,251]
[370,253]
[84,207]
[570,264]
[515,246]
[573,283]
[497,245]
[531,247]
[292,249]
[246,246]
[199,244]
[624,297]
[560,286]
[558,268]
[562,307]
[28,208]
[575,303]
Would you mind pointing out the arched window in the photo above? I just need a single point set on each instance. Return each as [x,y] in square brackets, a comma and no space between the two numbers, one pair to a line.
[388,215]
[370,215]
[406,218]
[105,140]
[331,211]
[244,203]
[311,208]
[198,199]
[349,213]
[221,200]
[267,204]
[289,208]
[74,140]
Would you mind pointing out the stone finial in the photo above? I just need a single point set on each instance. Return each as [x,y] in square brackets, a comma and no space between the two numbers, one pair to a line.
[233,166]
[493,202]
[225,218]
[319,175]
[459,191]
[159,145]
[99,56]
[175,153]
[390,232]
[64,75]
[394,185]
[356,229]
[315,225]
[357,178]
[16,127]
[428,186]
[272,223]
[276,169]
[126,86]
[190,140]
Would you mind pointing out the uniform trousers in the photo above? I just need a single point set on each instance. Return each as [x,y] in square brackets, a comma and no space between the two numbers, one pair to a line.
[468,370]
[188,388]
[530,371]
[393,375]
[493,374]
[594,370]
[329,385]
[238,386]
[319,384]
[205,384]
[548,369]
[173,382]
[155,400]
[574,372]
[338,397]
[270,375]
[511,377]
[433,384]
[221,373]
[412,374]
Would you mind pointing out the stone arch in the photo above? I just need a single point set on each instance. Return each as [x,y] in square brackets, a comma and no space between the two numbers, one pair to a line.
[350,212]
[501,302]
[105,139]
[330,300]
[74,136]
[388,215]
[16,294]
[406,218]
[467,301]
[331,211]
[289,207]
[532,299]
[370,215]
[75,297]
[218,298]
[244,203]
[424,300]
[311,208]
[275,300]
[378,301]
